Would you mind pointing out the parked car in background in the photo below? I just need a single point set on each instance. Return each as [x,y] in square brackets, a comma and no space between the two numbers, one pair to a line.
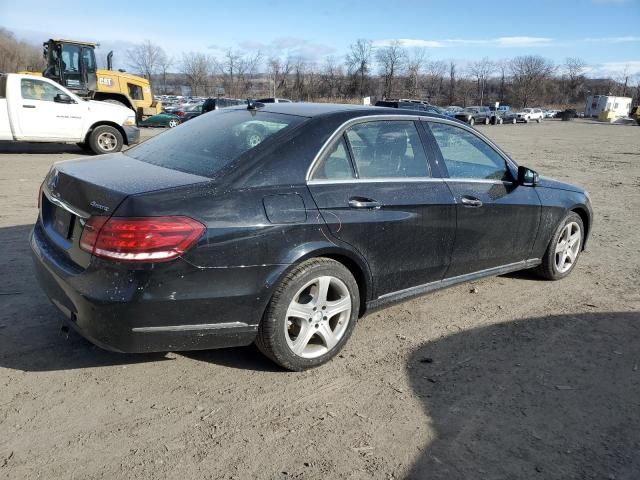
[527,115]
[192,111]
[273,100]
[451,110]
[550,113]
[164,119]
[200,238]
[36,109]
[473,115]
[211,104]
[417,105]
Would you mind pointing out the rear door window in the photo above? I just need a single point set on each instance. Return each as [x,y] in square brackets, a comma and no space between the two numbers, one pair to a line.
[388,149]
[211,142]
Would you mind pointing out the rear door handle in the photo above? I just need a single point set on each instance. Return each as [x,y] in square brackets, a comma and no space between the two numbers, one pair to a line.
[360,202]
[468,201]
[28,106]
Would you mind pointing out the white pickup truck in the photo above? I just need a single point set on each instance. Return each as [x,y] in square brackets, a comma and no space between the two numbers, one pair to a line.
[36,109]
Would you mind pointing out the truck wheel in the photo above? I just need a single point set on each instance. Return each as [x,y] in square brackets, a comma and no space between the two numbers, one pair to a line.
[471,121]
[105,139]
[486,120]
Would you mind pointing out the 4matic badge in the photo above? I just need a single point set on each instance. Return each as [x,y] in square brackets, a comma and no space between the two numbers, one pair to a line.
[95,204]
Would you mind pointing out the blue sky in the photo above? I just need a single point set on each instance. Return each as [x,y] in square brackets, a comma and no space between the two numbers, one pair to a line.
[605,33]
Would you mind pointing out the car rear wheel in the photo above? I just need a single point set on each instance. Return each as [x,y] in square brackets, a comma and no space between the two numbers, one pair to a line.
[311,315]
[564,248]
[105,139]
[471,121]
[486,120]
[514,121]
[539,120]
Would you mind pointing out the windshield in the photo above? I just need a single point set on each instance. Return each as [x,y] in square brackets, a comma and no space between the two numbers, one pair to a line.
[210,142]
[528,110]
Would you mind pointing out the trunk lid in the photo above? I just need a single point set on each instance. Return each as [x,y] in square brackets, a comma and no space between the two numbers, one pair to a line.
[77,189]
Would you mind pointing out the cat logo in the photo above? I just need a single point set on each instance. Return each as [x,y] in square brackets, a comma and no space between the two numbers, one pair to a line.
[105,81]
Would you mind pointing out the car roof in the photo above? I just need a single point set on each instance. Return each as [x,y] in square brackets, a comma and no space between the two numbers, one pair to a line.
[320,109]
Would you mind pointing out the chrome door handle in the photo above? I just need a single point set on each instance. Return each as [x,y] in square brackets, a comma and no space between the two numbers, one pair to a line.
[471,201]
[28,106]
[359,202]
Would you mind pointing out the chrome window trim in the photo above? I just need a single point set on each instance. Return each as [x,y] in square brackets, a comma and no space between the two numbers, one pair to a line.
[328,181]
[399,117]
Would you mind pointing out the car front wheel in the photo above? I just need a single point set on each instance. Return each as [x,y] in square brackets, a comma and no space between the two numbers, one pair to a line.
[311,315]
[471,121]
[564,248]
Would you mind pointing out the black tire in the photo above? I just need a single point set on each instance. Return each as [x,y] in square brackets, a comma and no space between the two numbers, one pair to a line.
[271,339]
[547,268]
[98,137]
[538,120]
[472,121]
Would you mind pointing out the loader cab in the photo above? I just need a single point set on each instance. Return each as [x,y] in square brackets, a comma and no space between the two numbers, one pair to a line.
[71,64]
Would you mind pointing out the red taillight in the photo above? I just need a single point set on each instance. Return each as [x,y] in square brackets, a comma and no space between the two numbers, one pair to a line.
[180,113]
[140,239]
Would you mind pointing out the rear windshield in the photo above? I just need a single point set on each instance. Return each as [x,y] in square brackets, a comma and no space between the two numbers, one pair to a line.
[209,142]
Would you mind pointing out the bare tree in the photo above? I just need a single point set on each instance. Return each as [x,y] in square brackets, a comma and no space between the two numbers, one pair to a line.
[165,62]
[359,61]
[415,64]
[279,71]
[332,76]
[16,55]
[574,69]
[391,60]
[529,74]
[434,78]
[145,57]
[452,82]
[196,67]
[503,66]
[481,71]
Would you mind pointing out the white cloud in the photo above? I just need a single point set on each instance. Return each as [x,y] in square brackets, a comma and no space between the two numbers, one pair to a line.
[524,41]
[627,39]
[614,69]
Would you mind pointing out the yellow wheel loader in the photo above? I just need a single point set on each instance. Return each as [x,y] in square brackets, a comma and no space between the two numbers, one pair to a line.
[73,64]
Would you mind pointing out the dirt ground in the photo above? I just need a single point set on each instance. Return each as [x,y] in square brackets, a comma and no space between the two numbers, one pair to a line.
[516,378]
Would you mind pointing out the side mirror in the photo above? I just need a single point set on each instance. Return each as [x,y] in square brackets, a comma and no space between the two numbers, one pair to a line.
[527,177]
[63,98]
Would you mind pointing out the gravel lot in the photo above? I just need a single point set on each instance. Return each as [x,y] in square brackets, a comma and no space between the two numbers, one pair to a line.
[504,378]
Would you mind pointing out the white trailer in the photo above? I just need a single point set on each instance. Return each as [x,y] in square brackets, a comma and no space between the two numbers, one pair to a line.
[618,106]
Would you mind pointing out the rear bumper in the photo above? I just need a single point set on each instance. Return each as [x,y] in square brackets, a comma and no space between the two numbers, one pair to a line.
[171,307]
[132,133]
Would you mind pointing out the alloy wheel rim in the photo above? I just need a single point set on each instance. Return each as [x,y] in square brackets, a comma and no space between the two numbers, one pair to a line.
[317,317]
[172,123]
[107,141]
[568,247]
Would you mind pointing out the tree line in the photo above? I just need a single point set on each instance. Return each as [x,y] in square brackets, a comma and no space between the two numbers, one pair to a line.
[390,71]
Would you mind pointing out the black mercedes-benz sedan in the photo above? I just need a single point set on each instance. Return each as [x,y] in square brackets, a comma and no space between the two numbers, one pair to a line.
[282,224]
